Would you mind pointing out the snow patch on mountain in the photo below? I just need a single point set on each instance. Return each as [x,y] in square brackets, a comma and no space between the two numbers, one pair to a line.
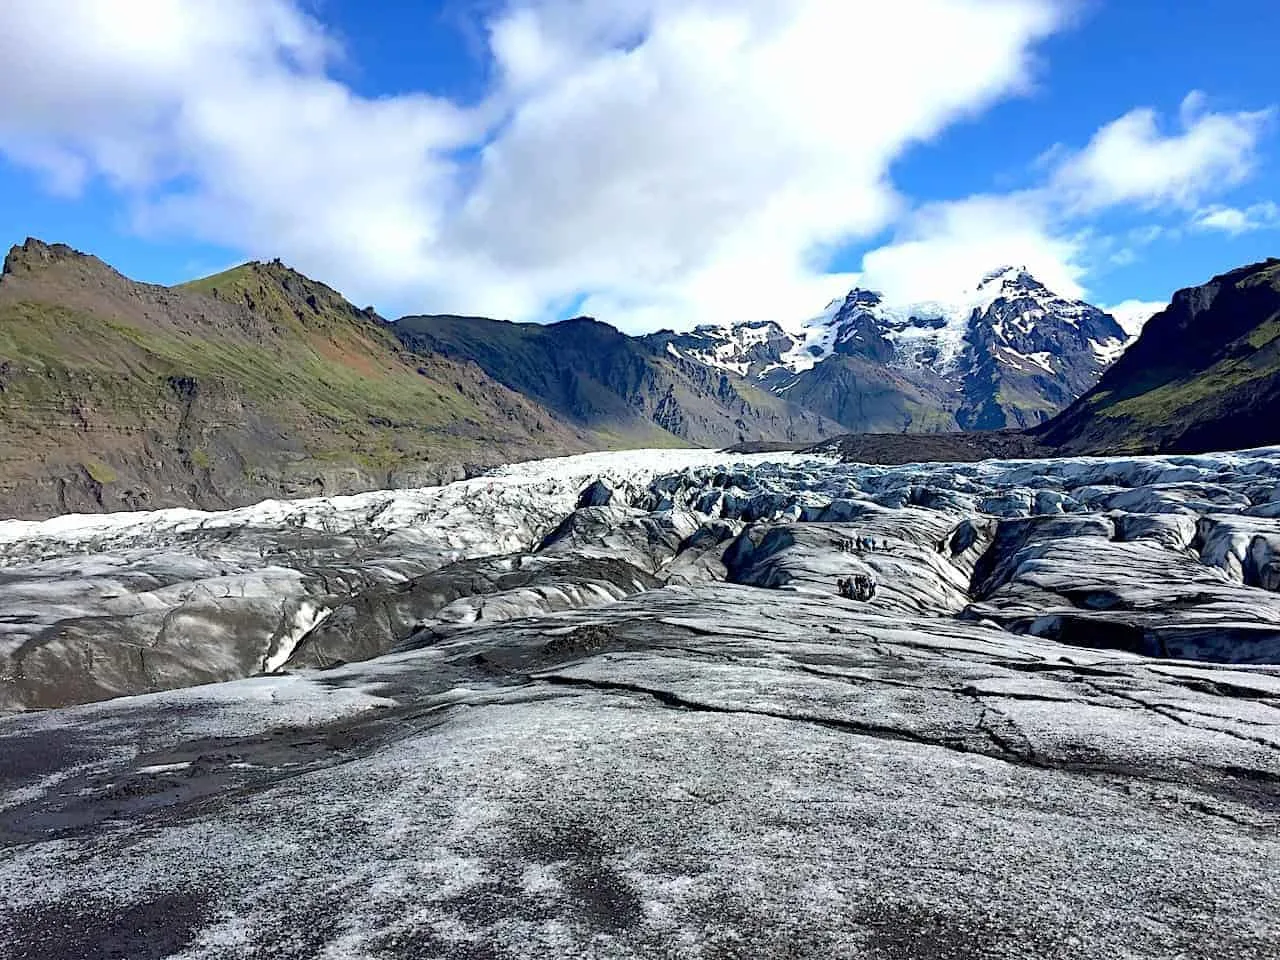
[933,333]
[927,333]
[918,331]
[1132,315]
[814,342]
[1026,361]
[930,335]
[1007,352]
[731,348]
[1108,351]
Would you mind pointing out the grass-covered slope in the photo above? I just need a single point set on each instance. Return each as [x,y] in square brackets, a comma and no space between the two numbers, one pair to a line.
[598,378]
[1204,375]
[255,382]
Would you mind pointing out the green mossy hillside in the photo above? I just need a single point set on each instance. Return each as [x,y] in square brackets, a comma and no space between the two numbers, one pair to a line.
[254,382]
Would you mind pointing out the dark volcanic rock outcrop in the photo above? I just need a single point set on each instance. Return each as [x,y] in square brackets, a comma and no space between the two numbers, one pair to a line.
[960,447]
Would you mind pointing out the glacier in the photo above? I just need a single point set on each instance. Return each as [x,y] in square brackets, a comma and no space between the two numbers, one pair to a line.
[614,705]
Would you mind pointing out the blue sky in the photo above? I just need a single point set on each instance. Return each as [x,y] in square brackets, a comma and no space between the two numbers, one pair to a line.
[655,163]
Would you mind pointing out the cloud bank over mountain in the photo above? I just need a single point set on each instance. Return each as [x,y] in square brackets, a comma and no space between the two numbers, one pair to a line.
[657,163]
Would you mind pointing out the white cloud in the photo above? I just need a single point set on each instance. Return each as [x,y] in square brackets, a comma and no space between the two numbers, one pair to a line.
[1130,161]
[216,118]
[1233,220]
[1125,248]
[692,176]
[676,160]
[667,162]
[946,248]
[1150,233]
[940,250]
[1132,315]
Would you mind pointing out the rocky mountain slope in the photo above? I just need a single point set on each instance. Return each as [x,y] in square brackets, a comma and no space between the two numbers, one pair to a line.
[1204,375]
[598,378]
[1010,355]
[635,712]
[257,382]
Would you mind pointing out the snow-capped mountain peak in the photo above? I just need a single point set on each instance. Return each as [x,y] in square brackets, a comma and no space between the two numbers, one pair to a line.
[1009,276]
[1007,351]
[923,333]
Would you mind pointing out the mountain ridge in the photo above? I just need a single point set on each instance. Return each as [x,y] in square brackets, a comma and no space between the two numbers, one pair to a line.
[261,382]
[1009,354]
[120,395]
[1204,375]
[588,371]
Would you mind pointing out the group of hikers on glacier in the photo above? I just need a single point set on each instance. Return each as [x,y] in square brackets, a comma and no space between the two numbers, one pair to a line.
[860,586]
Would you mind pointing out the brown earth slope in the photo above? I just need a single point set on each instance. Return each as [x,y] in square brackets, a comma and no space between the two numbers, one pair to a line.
[254,383]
